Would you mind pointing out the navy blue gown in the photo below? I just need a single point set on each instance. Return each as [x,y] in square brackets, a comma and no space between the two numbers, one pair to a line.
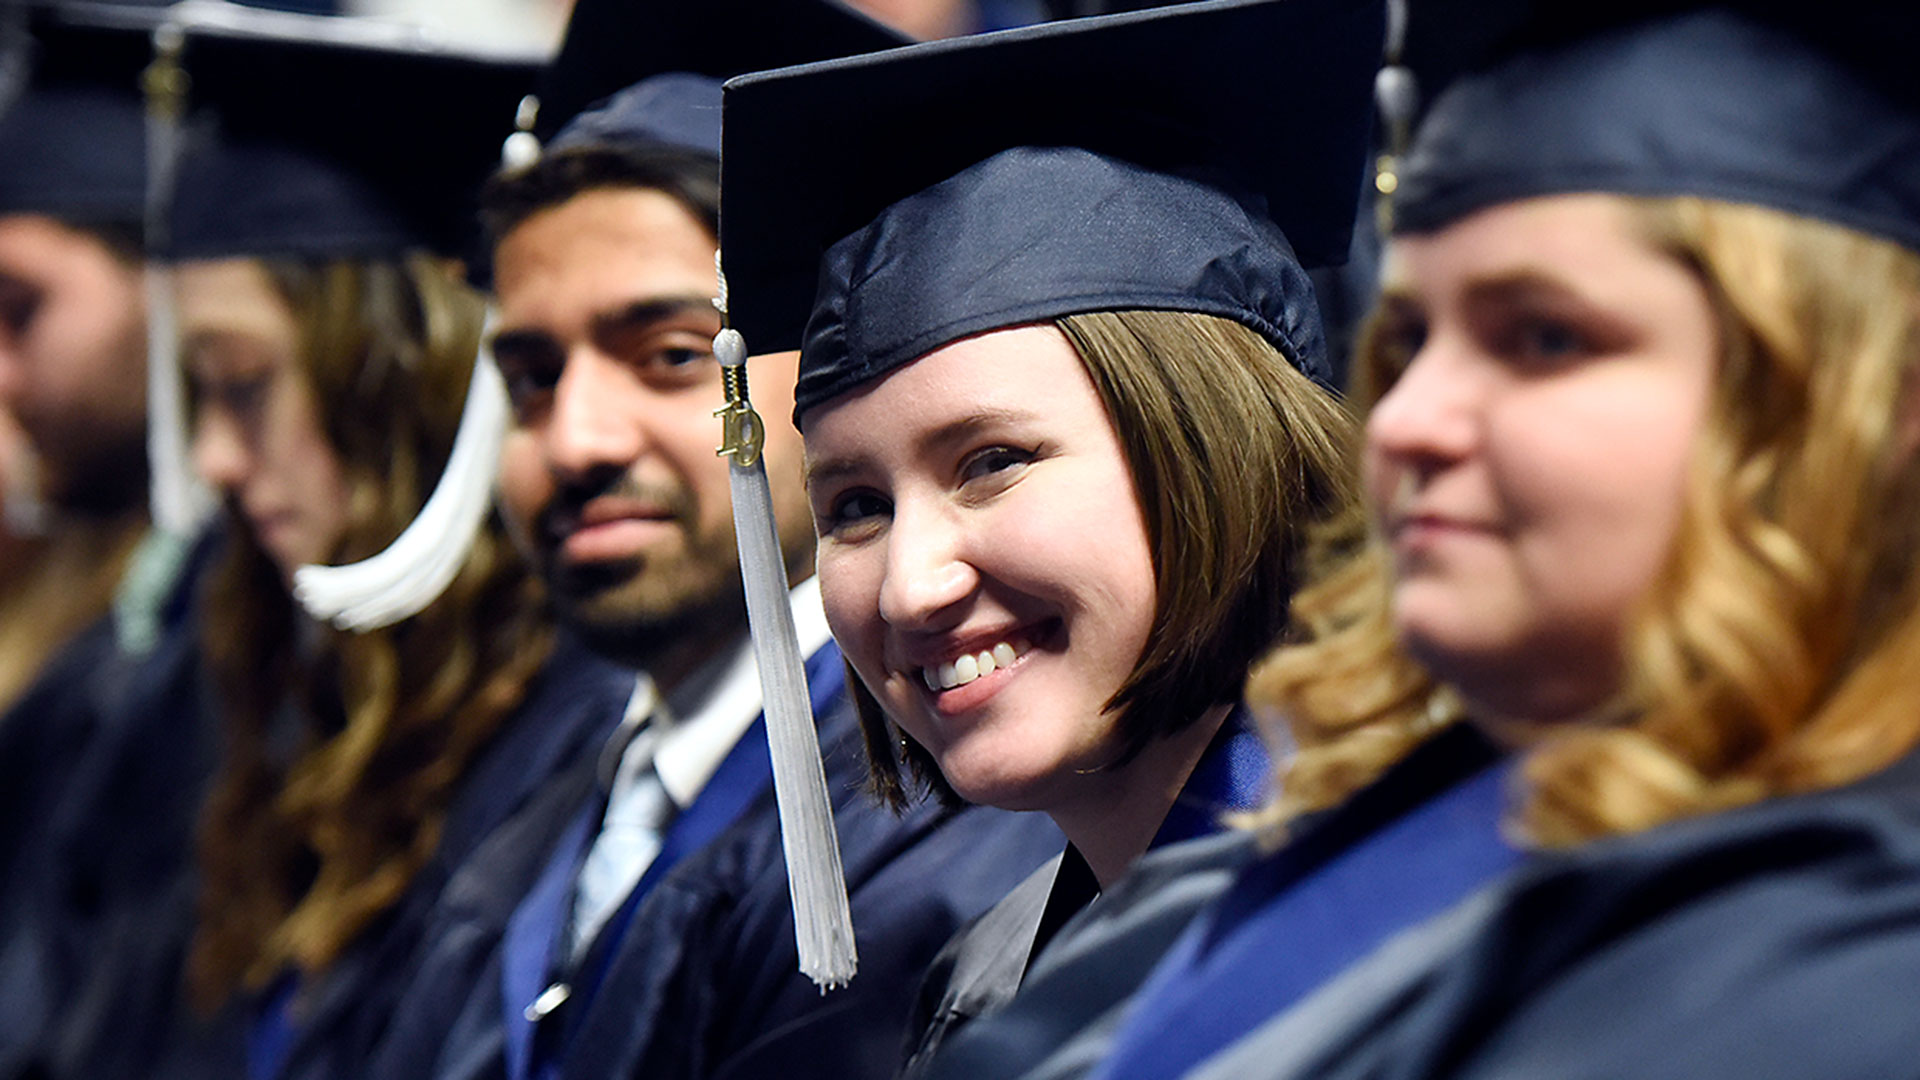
[342,1018]
[984,971]
[103,764]
[698,977]
[1776,942]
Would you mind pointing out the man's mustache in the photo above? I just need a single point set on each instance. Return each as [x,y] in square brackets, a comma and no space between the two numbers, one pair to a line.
[563,514]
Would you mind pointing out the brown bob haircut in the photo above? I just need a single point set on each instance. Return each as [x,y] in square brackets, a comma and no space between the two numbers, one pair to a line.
[1236,459]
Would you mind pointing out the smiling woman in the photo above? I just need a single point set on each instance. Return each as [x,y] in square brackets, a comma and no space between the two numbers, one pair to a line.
[1548,335]
[1063,468]
[1030,596]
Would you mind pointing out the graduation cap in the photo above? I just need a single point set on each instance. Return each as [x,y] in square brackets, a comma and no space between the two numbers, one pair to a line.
[71,112]
[1194,157]
[1129,161]
[325,136]
[1811,109]
[650,71]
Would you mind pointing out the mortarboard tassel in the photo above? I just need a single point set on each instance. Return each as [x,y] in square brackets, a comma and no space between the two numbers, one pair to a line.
[178,501]
[411,573]
[822,924]
[1396,96]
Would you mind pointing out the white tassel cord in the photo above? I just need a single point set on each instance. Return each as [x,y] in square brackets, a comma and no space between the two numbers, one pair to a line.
[177,499]
[822,923]
[417,567]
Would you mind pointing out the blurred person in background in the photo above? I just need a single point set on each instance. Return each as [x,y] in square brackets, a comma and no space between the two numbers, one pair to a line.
[327,339]
[53,583]
[103,751]
[926,20]
[72,326]
[1642,465]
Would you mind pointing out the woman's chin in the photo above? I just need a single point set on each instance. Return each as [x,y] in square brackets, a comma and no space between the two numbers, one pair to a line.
[997,788]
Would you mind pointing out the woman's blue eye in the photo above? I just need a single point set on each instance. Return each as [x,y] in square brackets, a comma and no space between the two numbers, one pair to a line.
[993,460]
[855,507]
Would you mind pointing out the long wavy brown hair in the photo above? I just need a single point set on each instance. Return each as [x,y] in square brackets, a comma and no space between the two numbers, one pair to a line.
[1778,650]
[344,750]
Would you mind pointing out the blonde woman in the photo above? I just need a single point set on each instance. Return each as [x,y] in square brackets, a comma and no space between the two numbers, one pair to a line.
[1642,463]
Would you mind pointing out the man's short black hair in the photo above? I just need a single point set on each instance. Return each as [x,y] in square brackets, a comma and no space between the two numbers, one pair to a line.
[688,176]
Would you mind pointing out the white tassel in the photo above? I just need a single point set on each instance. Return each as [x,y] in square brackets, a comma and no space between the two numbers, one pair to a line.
[178,501]
[418,566]
[822,923]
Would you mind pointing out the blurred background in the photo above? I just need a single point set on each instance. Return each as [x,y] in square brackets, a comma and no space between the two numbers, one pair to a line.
[539,23]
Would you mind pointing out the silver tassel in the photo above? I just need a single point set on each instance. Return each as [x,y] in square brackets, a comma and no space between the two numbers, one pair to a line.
[179,503]
[822,923]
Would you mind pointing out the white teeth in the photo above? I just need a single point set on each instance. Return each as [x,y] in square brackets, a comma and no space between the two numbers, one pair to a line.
[966,668]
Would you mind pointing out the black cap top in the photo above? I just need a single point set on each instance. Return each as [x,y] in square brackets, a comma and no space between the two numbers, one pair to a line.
[323,136]
[1811,109]
[678,52]
[1206,137]
[73,136]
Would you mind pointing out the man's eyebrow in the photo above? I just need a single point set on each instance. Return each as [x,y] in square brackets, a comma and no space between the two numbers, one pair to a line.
[522,341]
[651,310]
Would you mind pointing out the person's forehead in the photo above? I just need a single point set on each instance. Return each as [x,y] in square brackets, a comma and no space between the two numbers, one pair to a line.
[43,252]
[608,245]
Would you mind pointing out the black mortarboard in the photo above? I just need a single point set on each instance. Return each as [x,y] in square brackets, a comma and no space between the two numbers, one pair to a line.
[325,136]
[650,70]
[72,137]
[1809,108]
[1192,157]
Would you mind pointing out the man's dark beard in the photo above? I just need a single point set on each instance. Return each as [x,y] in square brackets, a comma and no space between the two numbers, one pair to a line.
[638,630]
[98,483]
[640,640]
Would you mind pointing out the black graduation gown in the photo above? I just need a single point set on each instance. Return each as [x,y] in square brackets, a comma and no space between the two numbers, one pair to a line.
[100,840]
[985,965]
[705,982]
[1076,990]
[1778,941]
[570,708]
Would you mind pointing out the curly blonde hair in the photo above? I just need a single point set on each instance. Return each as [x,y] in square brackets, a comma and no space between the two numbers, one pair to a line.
[1778,650]
[342,755]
